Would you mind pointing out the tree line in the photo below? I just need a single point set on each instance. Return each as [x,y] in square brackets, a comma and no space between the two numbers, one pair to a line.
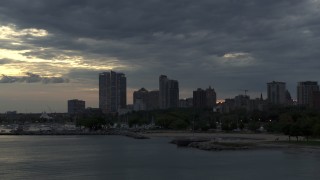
[291,121]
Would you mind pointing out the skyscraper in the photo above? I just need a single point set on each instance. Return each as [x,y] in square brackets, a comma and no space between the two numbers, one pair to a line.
[112,91]
[277,93]
[211,97]
[305,90]
[315,102]
[168,93]
[153,99]
[163,91]
[199,98]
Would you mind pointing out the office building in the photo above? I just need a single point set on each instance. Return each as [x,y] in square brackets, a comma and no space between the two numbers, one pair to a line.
[305,90]
[204,98]
[242,102]
[153,100]
[145,100]
[315,100]
[112,92]
[199,98]
[211,97]
[168,93]
[277,93]
[76,106]
[140,99]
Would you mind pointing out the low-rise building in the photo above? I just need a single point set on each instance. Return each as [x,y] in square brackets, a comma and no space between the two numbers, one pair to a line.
[76,106]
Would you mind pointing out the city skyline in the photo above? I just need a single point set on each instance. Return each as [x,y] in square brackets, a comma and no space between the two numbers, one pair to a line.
[52,51]
[272,91]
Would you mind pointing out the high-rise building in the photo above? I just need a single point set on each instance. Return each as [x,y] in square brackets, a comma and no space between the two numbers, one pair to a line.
[168,93]
[122,90]
[145,100]
[153,100]
[211,97]
[163,91]
[76,106]
[112,91]
[277,93]
[204,98]
[305,90]
[315,102]
[140,99]
[242,102]
[199,98]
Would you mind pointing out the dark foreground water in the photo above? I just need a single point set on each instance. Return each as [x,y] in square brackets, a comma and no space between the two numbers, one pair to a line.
[116,157]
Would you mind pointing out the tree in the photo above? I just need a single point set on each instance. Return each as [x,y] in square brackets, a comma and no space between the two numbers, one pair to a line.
[178,124]
[241,125]
[286,130]
[316,130]
[93,123]
[306,127]
[295,130]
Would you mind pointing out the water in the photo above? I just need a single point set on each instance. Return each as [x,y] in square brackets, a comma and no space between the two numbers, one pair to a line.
[116,157]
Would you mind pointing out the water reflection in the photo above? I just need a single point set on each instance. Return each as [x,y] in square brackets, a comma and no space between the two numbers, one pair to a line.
[115,157]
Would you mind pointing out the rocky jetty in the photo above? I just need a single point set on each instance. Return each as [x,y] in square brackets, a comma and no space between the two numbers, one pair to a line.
[184,142]
[134,135]
[219,146]
[212,144]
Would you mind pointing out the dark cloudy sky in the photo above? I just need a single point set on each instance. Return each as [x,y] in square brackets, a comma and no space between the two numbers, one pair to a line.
[52,51]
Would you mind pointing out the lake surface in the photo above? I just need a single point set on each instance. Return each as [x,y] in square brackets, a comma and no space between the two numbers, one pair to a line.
[117,157]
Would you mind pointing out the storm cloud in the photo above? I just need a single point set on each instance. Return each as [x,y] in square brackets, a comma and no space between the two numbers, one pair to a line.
[228,44]
[32,78]
[6,61]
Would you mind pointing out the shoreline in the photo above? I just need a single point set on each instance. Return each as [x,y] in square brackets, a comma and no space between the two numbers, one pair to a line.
[78,133]
[209,141]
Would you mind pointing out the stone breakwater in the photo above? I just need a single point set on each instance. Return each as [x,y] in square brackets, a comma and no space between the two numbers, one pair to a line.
[212,144]
[235,143]
[219,146]
[184,142]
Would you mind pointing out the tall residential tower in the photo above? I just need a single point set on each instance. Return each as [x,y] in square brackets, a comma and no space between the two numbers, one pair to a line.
[112,91]
[305,90]
[168,93]
[204,98]
[277,93]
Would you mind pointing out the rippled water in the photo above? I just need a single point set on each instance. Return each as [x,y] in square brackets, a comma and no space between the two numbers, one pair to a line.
[116,157]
